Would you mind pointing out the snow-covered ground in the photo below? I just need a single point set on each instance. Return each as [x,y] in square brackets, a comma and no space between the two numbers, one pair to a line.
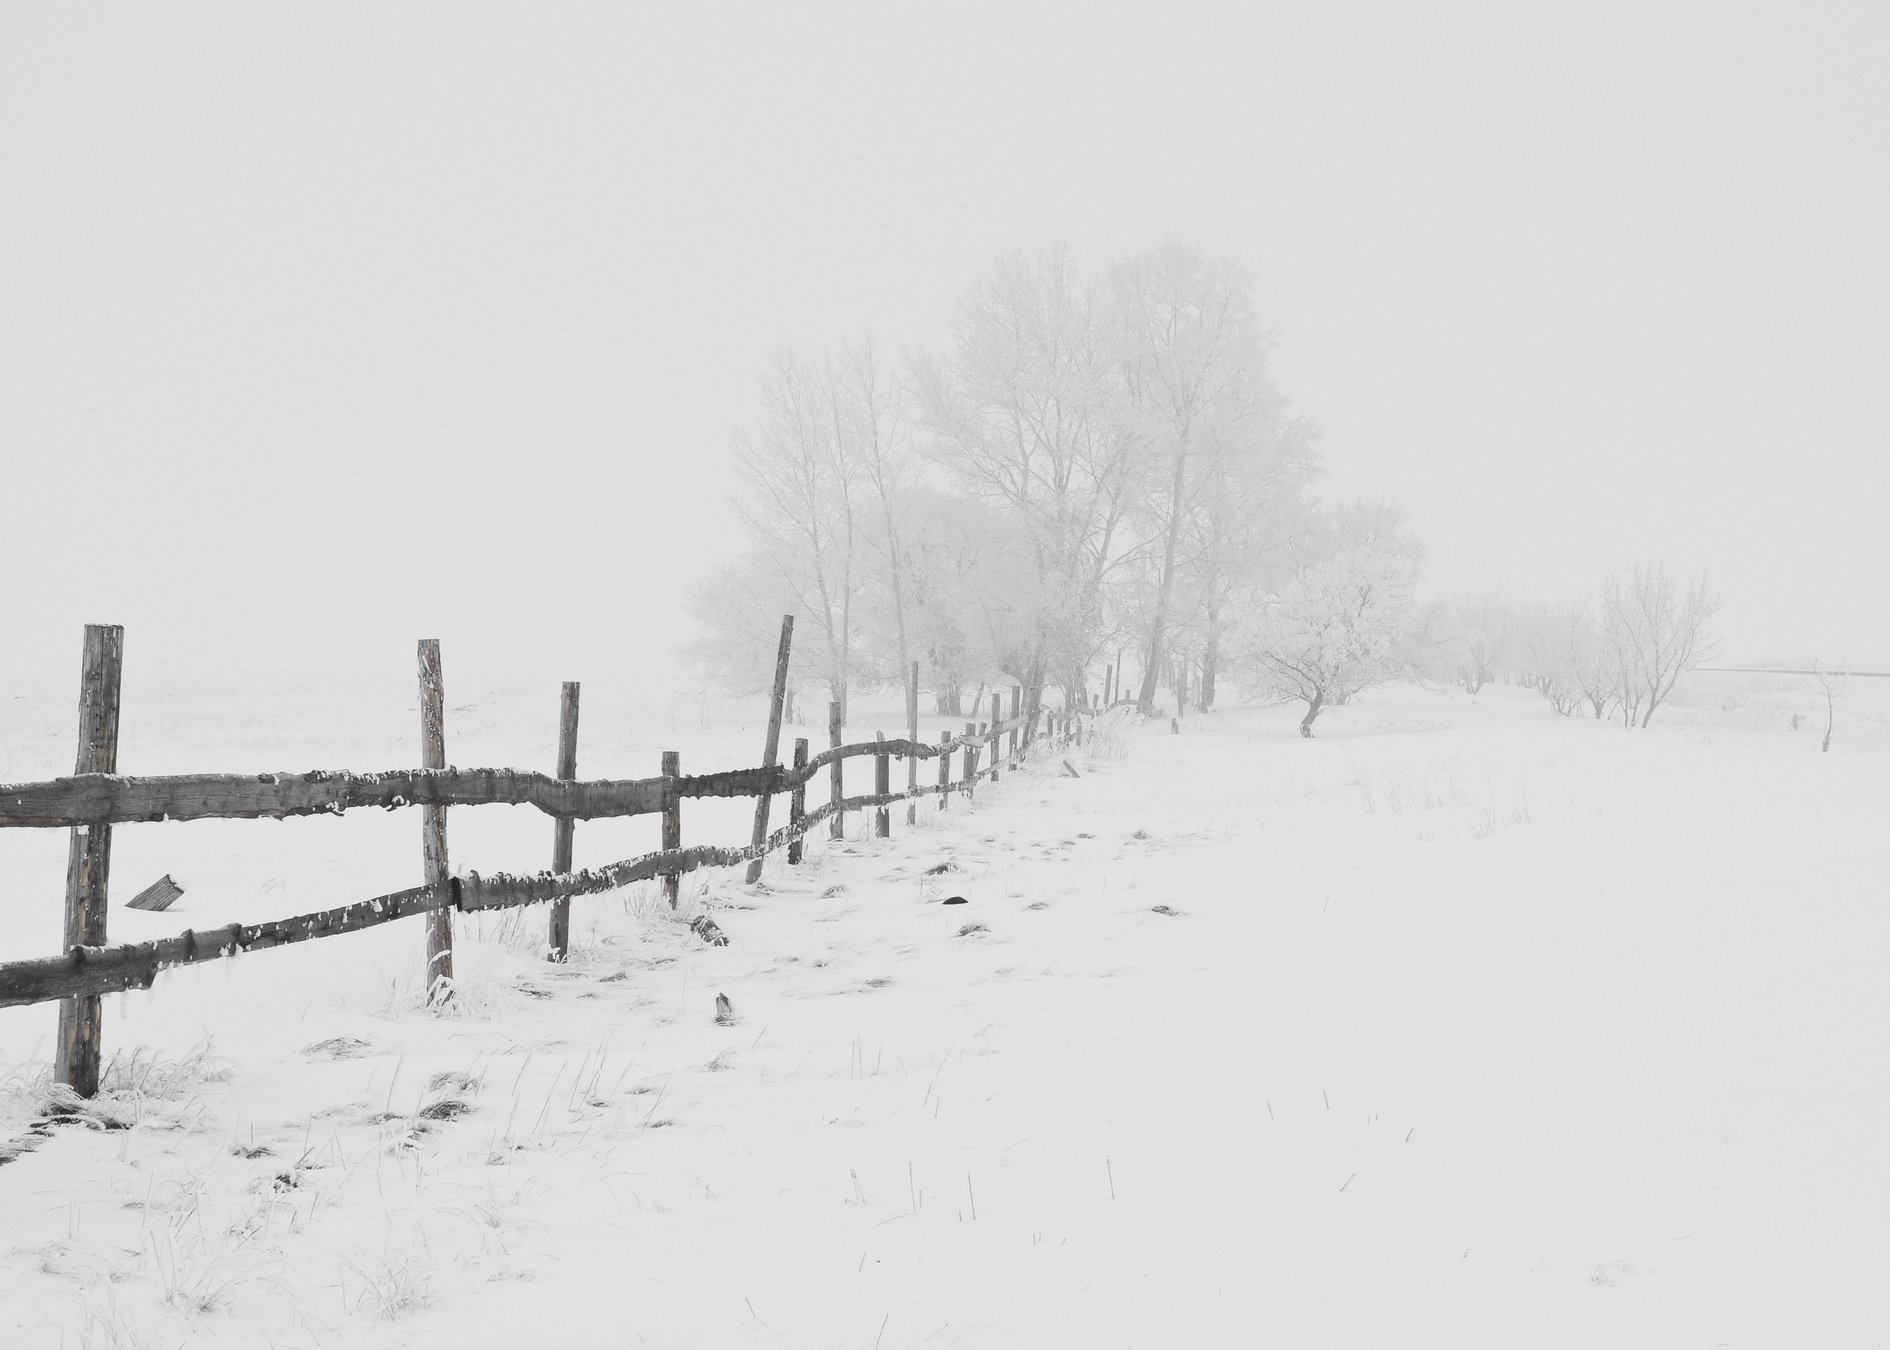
[1460,1025]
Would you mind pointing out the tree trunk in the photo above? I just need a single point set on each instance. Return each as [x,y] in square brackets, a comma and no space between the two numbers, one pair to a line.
[1313,706]
[1210,660]
[1157,629]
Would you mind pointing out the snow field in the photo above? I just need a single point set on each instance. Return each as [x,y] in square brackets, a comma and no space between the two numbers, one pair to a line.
[1468,1026]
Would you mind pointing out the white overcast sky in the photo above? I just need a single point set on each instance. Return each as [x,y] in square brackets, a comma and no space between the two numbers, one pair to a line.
[325,327]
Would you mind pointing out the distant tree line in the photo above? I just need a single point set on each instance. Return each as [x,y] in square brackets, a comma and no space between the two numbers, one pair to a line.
[1620,651]
[1099,471]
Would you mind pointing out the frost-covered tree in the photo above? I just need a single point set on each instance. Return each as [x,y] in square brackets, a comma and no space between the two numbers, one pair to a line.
[1484,639]
[1191,355]
[1253,521]
[1025,416]
[1099,463]
[1221,465]
[953,557]
[1654,633]
[1333,630]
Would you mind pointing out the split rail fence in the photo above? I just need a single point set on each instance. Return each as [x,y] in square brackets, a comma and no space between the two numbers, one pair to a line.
[96,797]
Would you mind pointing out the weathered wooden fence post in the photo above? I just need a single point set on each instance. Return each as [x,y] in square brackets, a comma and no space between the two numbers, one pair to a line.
[972,731]
[1017,705]
[912,739]
[672,823]
[564,829]
[797,801]
[439,971]
[995,737]
[882,785]
[79,1053]
[944,768]
[836,828]
[770,753]
[1109,679]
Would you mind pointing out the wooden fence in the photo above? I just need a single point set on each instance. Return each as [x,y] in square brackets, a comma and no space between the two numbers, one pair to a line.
[96,797]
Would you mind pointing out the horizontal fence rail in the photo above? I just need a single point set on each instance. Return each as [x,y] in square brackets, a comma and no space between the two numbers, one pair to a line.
[110,799]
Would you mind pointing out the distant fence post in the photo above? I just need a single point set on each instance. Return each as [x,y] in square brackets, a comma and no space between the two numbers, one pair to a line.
[564,829]
[797,802]
[672,823]
[836,828]
[770,753]
[882,785]
[77,1058]
[944,768]
[1109,680]
[912,738]
[439,972]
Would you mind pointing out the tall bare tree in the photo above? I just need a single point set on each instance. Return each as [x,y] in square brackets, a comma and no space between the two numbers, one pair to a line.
[872,439]
[798,496]
[1192,362]
[1025,416]
[1655,632]
[1829,682]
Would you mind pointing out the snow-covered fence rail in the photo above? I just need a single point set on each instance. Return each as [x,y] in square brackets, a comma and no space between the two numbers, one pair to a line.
[89,803]
[109,799]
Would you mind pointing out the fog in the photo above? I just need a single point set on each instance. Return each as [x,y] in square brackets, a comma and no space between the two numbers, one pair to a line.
[324,329]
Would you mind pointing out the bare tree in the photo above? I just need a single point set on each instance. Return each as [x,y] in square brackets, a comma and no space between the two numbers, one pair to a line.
[871,435]
[1830,683]
[1191,363]
[1558,650]
[1484,637]
[798,497]
[1655,633]
[1025,416]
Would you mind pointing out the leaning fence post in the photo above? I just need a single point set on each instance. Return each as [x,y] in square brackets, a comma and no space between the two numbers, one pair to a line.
[836,828]
[944,768]
[76,1060]
[439,973]
[672,823]
[1017,704]
[912,741]
[770,753]
[797,801]
[564,828]
[882,786]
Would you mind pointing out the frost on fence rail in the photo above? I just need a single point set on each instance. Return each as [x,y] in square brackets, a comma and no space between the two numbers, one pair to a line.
[98,798]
